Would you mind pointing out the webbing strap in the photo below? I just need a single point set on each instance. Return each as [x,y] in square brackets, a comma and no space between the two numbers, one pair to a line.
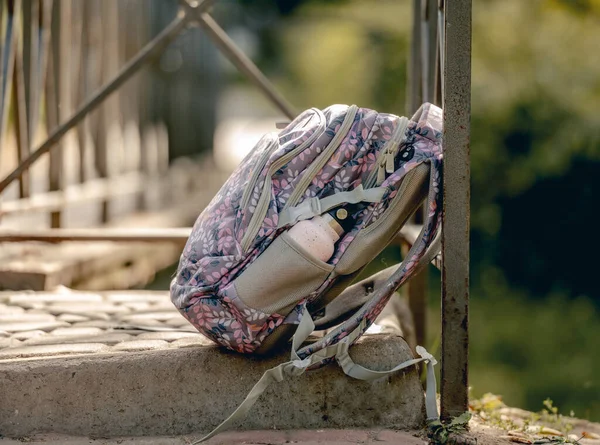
[359,372]
[315,206]
[347,303]
[339,350]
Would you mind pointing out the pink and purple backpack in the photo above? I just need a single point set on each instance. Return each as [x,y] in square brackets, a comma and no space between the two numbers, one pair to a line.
[248,286]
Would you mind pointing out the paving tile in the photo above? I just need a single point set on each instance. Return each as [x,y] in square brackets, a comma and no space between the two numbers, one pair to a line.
[25,335]
[9,342]
[54,297]
[111,338]
[37,311]
[88,309]
[135,306]
[5,309]
[31,304]
[49,350]
[148,322]
[53,340]
[165,305]
[141,345]
[32,325]
[274,437]
[402,437]
[192,342]
[105,338]
[327,436]
[11,318]
[174,322]
[132,330]
[166,336]
[103,324]
[76,331]
[72,318]
[123,297]
[159,315]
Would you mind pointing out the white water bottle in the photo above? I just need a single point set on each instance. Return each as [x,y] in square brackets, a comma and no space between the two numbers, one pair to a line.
[319,234]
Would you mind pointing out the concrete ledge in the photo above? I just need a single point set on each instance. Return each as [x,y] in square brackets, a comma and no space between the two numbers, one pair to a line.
[191,390]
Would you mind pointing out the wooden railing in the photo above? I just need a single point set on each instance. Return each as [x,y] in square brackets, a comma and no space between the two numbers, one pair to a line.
[54,56]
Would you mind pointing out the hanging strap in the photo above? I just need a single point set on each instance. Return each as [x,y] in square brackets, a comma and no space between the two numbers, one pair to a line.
[347,303]
[339,350]
[317,206]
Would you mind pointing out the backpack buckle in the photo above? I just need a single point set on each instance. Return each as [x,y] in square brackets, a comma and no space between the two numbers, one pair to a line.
[305,210]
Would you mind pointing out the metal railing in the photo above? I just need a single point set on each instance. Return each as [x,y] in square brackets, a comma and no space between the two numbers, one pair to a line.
[440,71]
[54,55]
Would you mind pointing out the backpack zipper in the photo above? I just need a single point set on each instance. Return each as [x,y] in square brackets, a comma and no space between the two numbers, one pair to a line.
[320,162]
[387,155]
[263,202]
[264,157]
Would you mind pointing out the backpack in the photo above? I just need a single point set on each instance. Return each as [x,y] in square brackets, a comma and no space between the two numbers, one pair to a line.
[243,282]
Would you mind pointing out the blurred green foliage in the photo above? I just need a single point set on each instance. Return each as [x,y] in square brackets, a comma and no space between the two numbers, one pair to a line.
[535,151]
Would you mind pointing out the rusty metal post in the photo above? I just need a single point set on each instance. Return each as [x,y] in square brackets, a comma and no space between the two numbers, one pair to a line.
[417,83]
[415,288]
[413,93]
[455,226]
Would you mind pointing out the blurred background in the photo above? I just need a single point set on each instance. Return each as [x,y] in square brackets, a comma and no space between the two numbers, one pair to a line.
[535,153]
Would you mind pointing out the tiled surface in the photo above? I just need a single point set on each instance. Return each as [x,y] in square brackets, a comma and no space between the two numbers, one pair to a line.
[64,322]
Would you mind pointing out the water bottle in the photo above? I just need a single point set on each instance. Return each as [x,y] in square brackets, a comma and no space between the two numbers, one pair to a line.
[319,234]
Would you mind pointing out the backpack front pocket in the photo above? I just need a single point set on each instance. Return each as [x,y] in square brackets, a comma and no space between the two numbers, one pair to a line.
[280,277]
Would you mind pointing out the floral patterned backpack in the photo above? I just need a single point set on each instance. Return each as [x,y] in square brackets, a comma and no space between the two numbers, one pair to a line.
[320,161]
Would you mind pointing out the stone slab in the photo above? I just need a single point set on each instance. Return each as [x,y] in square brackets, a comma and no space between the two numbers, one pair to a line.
[190,390]
[299,437]
[22,326]
[38,351]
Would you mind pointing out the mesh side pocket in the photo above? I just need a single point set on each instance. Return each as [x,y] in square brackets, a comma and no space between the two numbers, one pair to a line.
[281,276]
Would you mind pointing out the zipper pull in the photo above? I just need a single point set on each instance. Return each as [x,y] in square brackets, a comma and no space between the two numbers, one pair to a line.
[380,174]
[389,162]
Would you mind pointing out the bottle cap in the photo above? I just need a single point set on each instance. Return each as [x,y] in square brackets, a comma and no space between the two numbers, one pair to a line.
[341,213]
[344,215]
[331,221]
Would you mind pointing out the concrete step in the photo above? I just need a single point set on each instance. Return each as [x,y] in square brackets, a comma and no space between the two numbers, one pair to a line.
[271,437]
[107,383]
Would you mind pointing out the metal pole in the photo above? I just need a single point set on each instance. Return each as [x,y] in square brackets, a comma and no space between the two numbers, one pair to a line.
[164,235]
[455,228]
[416,288]
[413,93]
[244,64]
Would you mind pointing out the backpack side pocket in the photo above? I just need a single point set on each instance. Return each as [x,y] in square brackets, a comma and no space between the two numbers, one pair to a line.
[280,277]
